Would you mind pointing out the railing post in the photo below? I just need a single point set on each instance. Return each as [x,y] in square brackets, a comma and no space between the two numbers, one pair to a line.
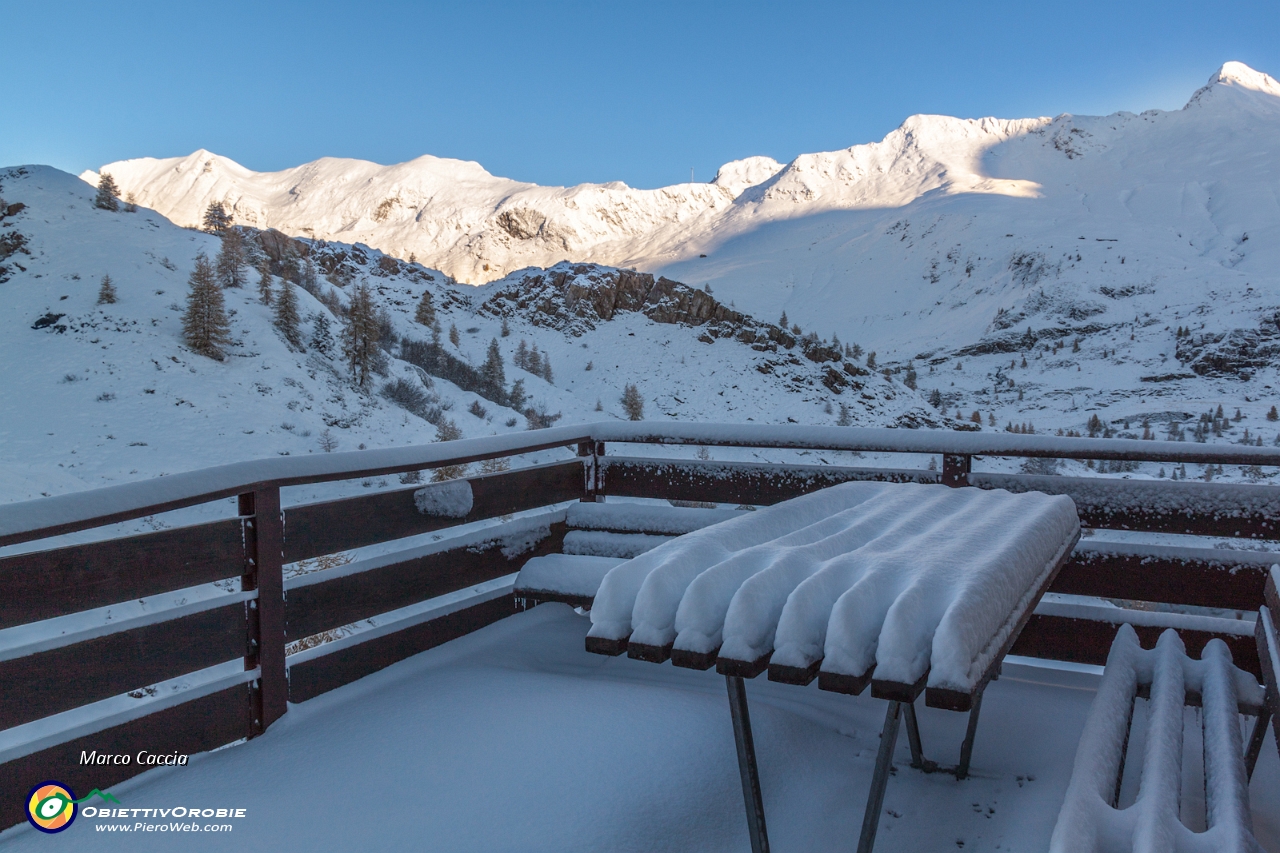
[592,451]
[263,528]
[955,469]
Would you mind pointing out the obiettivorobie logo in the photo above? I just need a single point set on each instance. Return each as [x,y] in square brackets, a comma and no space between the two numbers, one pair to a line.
[52,807]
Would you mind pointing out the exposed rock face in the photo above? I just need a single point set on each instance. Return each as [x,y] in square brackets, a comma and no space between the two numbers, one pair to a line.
[576,297]
[1234,354]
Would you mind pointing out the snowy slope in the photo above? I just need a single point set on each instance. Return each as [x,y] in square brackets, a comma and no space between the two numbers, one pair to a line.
[99,394]
[965,245]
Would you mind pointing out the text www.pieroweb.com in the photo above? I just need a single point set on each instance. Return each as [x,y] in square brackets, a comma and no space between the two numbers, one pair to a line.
[188,819]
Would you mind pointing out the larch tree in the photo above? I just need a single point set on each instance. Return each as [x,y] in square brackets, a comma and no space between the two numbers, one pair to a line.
[264,281]
[216,218]
[493,374]
[108,193]
[286,315]
[633,403]
[447,430]
[454,337]
[426,313]
[310,280]
[230,261]
[360,335]
[546,369]
[204,324]
[107,292]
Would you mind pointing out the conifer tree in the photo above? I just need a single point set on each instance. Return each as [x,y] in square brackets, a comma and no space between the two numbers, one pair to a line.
[447,430]
[310,281]
[782,321]
[454,337]
[204,324]
[633,403]
[517,397]
[871,360]
[493,374]
[426,313]
[216,218]
[546,369]
[533,363]
[230,262]
[360,335]
[107,292]
[935,399]
[130,204]
[845,419]
[286,315]
[910,380]
[506,329]
[522,355]
[264,282]
[108,193]
[321,337]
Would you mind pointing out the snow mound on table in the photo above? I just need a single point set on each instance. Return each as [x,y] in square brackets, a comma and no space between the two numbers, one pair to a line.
[941,601]
[646,592]
[908,578]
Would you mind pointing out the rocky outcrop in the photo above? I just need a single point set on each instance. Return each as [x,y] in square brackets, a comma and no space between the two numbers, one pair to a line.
[1234,354]
[576,297]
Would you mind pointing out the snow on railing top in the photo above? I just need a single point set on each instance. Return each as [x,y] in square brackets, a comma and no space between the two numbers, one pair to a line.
[27,520]
[931,441]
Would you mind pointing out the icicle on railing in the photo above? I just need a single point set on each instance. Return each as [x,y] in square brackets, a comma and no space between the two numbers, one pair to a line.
[1090,820]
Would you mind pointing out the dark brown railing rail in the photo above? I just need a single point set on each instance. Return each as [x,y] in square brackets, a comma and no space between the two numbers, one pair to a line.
[254,626]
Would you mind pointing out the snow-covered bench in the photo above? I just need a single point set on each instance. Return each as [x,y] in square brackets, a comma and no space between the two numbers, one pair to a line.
[599,537]
[1091,820]
[1269,656]
[907,588]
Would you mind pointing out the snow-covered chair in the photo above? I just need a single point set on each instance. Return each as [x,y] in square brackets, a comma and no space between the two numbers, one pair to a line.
[908,588]
[1269,658]
[1091,820]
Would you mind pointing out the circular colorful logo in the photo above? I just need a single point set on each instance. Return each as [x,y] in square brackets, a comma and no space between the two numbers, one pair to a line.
[51,807]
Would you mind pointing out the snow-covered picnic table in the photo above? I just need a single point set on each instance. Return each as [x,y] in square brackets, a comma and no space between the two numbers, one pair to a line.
[909,588]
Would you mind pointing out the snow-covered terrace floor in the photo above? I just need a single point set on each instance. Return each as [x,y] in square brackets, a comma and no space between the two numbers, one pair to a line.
[515,739]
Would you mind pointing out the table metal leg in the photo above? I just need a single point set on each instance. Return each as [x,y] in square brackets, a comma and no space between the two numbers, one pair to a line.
[1255,742]
[884,760]
[747,764]
[913,736]
[966,748]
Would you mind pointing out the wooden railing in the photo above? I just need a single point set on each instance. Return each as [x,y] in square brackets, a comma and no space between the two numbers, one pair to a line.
[458,577]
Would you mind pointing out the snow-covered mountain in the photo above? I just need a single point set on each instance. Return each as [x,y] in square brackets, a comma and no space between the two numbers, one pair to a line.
[1040,272]
[944,220]
[99,393]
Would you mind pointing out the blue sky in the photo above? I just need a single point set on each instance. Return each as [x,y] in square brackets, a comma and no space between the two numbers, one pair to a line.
[565,92]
